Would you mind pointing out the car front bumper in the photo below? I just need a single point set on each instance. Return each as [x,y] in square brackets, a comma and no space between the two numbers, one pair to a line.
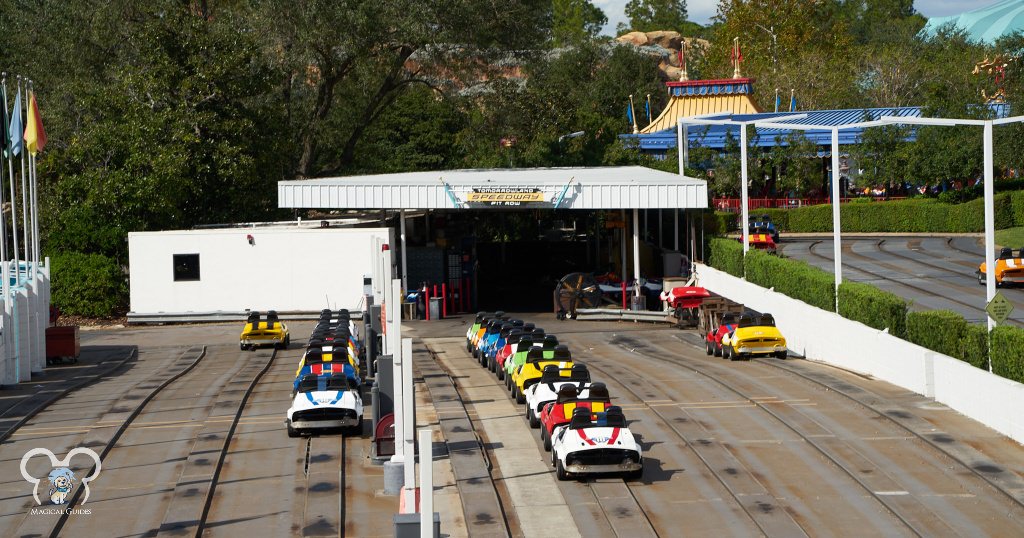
[324,424]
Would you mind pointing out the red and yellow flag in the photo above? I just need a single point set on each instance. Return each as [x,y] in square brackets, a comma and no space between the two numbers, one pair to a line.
[35,135]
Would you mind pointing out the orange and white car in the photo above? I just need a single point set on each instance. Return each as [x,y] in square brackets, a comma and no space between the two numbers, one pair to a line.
[1009,268]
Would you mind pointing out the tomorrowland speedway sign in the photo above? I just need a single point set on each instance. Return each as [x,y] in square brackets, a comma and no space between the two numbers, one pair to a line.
[505,196]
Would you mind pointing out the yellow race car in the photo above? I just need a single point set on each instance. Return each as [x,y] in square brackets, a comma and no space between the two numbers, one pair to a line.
[754,335]
[271,331]
[532,369]
[1009,268]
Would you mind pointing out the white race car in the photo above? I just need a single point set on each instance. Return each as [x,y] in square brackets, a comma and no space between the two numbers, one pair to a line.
[597,443]
[546,390]
[324,402]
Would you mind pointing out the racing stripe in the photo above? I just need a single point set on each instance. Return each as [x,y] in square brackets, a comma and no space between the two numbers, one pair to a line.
[585,438]
[615,435]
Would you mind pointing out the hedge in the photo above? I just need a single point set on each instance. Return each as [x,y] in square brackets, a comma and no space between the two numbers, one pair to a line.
[727,255]
[949,333]
[873,307]
[90,285]
[913,215]
[1008,352]
[791,277]
[975,345]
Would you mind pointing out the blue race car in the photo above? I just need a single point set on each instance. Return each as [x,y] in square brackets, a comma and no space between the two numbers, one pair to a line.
[762,224]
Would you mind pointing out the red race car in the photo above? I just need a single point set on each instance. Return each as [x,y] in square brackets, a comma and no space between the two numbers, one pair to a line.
[560,411]
[761,241]
[713,339]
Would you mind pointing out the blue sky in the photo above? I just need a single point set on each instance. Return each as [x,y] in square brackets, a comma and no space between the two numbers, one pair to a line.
[701,11]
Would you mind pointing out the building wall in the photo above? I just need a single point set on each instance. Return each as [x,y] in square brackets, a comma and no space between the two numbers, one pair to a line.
[286,269]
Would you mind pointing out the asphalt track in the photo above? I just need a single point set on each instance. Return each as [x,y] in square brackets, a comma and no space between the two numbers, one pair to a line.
[747,448]
[936,273]
[190,432]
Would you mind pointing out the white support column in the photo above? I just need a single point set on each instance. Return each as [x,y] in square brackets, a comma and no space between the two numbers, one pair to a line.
[389,343]
[744,201]
[636,251]
[426,484]
[10,359]
[837,247]
[405,253]
[681,144]
[675,228]
[397,369]
[408,423]
[990,225]
[622,245]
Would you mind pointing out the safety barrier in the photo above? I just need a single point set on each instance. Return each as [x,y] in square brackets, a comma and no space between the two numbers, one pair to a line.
[824,336]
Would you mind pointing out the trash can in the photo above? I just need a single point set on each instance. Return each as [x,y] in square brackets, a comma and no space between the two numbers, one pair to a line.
[637,303]
[435,308]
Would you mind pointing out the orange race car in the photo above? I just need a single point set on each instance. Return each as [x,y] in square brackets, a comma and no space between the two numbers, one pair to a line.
[1009,268]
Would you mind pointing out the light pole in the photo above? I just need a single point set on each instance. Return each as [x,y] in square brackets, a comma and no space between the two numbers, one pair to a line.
[775,44]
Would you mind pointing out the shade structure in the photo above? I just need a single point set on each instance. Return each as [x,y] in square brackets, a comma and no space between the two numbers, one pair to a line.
[986,24]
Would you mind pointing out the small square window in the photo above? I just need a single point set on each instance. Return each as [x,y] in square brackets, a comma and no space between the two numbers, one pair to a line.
[186,267]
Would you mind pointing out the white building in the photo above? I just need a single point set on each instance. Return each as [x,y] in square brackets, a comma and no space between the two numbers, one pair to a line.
[191,273]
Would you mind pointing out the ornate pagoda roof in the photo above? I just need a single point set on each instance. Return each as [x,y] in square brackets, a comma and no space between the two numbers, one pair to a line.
[694,97]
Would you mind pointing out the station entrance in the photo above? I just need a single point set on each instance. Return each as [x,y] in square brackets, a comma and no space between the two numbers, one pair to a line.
[502,239]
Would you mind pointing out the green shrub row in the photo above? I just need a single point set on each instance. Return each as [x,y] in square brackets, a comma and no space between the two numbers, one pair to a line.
[949,333]
[794,278]
[914,215]
[873,307]
[1008,352]
[90,285]
[727,255]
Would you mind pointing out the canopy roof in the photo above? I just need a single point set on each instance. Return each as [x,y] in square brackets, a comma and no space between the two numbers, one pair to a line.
[612,187]
[985,24]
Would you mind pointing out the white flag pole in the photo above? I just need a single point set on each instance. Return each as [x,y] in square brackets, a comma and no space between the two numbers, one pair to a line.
[34,192]
[24,180]
[3,220]
[10,169]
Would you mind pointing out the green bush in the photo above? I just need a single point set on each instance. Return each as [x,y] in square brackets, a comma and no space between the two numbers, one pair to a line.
[947,332]
[1008,352]
[90,285]
[794,278]
[727,255]
[912,215]
[975,345]
[873,307]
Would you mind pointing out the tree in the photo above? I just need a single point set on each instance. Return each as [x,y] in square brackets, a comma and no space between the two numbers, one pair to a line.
[574,21]
[651,15]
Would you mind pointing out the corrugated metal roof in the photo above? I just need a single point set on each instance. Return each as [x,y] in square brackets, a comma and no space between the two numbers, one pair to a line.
[713,136]
[619,187]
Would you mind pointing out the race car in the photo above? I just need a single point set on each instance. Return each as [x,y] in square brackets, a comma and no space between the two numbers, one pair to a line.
[545,390]
[327,368]
[327,354]
[324,402]
[519,357]
[596,443]
[761,241]
[754,336]
[519,349]
[257,333]
[713,340]
[488,331]
[560,411]
[511,342]
[763,223]
[1009,268]
[481,317]
[493,343]
[530,372]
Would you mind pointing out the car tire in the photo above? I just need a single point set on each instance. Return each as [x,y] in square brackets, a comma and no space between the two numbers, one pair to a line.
[710,348]
[241,346]
[981,279]
[520,397]
[292,432]
[730,353]
[547,442]
[560,471]
[781,355]
[500,373]
[718,350]
[534,419]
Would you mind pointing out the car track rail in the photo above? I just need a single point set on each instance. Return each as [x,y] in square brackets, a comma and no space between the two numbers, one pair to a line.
[892,507]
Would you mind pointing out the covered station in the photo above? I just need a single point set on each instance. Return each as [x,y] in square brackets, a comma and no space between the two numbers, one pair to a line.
[504,237]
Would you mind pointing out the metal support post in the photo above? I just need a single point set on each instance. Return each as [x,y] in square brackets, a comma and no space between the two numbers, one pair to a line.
[743,192]
[394,333]
[990,225]
[426,484]
[837,250]
[408,423]
[636,251]
[405,253]
[622,244]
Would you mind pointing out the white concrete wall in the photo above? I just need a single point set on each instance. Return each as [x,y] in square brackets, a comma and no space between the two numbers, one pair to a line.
[827,337]
[287,269]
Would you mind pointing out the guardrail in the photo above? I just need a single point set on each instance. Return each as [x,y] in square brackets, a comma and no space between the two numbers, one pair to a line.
[823,336]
